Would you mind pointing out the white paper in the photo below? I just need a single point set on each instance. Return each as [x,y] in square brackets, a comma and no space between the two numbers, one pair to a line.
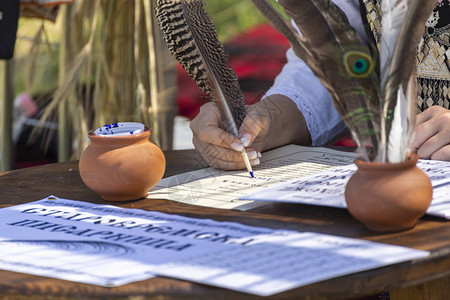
[222,189]
[109,246]
[327,188]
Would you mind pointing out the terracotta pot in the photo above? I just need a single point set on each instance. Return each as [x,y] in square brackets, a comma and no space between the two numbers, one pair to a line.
[388,196]
[123,165]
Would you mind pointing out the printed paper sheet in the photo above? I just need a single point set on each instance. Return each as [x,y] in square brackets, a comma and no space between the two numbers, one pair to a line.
[327,188]
[110,246]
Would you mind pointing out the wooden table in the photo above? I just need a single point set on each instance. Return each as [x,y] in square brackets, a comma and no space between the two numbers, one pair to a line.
[424,279]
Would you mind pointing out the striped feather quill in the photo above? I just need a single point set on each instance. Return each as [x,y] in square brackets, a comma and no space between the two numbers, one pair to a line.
[400,87]
[192,39]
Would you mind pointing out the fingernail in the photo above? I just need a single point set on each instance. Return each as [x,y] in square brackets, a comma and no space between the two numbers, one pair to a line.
[245,139]
[259,154]
[237,146]
[252,155]
[255,162]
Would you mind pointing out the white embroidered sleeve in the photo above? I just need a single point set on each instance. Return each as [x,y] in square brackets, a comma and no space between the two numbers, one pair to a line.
[297,82]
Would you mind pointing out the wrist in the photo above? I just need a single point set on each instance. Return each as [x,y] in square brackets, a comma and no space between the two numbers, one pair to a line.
[287,124]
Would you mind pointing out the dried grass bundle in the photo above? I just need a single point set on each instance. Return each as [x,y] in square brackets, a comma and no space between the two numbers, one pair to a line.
[116,71]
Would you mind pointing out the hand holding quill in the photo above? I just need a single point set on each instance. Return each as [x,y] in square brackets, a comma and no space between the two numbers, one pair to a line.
[192,39]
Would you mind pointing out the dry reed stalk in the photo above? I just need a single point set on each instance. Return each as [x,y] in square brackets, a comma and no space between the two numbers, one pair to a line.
[162,72]
[143,85]
[80,126]
[109,79]
[32,59]
[152,63]
[114,75]
[69,81]
[73,73]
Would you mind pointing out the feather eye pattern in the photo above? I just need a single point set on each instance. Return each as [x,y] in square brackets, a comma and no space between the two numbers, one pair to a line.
[192,39]
[373,91]
[340,60]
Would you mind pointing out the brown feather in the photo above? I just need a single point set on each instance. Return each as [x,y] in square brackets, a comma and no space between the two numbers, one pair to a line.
[192,38]
[327,39]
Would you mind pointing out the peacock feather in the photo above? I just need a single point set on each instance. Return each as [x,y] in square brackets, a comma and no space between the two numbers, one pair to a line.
[372,90]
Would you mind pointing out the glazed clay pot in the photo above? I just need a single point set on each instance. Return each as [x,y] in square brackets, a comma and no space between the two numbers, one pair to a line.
[122,167]
[388,196]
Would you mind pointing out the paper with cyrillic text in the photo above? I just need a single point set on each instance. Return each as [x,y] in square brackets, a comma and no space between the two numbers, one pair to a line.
[327,188]
[110,246]
[103,244]
[222,189]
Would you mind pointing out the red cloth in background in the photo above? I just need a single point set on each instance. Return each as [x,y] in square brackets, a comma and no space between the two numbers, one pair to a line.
[257,56]
[346,142]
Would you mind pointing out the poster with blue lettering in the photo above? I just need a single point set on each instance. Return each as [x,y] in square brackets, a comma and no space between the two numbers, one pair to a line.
[109,246]
[103,244]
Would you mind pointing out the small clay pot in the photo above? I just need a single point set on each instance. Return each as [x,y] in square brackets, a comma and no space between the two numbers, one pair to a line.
[123,166]
[388,196]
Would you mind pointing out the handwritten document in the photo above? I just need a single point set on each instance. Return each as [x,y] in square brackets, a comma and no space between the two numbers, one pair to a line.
[109,246]
[222,189]
[327,188]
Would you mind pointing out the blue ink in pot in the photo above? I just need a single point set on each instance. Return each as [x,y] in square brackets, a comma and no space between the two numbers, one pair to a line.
[120,129]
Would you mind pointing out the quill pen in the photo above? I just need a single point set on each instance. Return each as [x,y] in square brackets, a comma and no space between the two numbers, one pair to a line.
[340,60]
[380,112]
[192,39]
[399,42]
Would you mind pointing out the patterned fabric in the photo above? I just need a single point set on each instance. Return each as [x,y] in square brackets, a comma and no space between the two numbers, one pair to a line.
[433,56]
[373,18]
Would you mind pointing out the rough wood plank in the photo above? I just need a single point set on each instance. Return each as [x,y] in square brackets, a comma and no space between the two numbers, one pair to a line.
[434,290]
[63,180]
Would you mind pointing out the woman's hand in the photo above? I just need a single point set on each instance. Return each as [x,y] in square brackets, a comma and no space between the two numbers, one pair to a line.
[217,147]
[271,123]
[432,134]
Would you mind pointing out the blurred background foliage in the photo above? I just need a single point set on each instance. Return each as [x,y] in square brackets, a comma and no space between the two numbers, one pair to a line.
[37,46]
[233,17]
[111,80]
